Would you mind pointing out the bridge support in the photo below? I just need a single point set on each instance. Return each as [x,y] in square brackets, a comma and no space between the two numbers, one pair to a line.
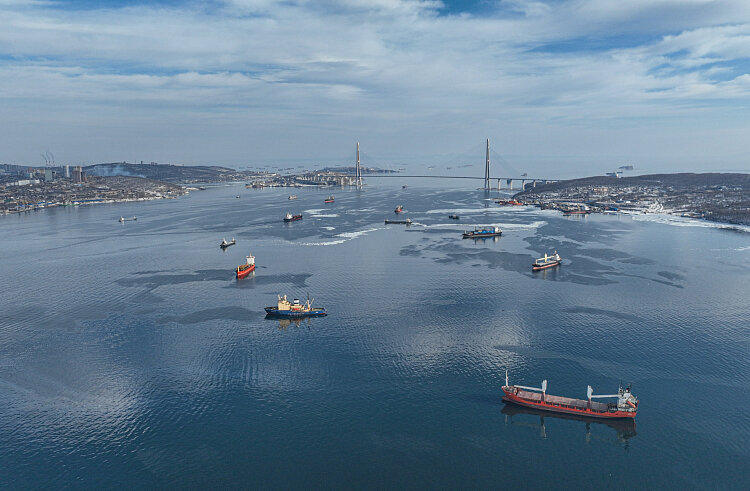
[358,177]
[487,168]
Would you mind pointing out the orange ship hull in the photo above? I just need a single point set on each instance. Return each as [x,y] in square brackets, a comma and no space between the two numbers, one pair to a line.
[559,404]
[242,273]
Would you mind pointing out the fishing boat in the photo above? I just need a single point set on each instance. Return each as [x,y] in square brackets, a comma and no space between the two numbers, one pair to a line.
[399,209]
[479,233]
[224,244]
[122,219]
[454,217]
[626,405]
[329,199]
[295,308]
[292,218]
[398,222]
[292,196]
[245,269]
[548,261]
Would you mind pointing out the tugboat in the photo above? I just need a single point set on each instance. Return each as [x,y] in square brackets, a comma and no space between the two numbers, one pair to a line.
[398,222]
[128,219]
[399,209]
[245,269]
[536,397]
[329,199]
[547,262]
[454,217]
[292,196]
[292,218]
[224,244]
[285,308]
[478,233]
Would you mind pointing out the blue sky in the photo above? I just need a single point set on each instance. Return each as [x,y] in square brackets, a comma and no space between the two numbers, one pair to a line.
[562,88]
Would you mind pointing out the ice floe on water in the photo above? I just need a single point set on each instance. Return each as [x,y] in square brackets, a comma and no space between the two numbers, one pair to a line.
[503,225]
[686,222]
[340,238]
[467,211]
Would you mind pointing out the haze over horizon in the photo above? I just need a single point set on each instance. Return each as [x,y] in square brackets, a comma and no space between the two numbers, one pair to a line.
[562,88]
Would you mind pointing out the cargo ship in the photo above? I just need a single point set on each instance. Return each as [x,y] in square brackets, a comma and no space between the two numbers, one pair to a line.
[398,222]
[547,262]
[478,233]
[329,199]
[292,218]
[245,269]
[285,308]
[122,219]
[454,217]
[626,405]
[224,244]
[399,209]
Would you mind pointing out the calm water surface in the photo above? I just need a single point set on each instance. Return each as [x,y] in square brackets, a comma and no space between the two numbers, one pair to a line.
[130,357]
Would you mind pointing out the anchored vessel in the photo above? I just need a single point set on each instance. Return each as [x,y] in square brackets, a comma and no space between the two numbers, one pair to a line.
[329,199]
[292,196]
[483,232]
[399,209]
[245,269]
[454,217]
[547,262]
[537,397]
[285,308]
[128,219]
[224,244]
[292,218]
[400,222]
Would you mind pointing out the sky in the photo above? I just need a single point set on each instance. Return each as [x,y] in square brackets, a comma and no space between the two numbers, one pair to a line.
[562,88]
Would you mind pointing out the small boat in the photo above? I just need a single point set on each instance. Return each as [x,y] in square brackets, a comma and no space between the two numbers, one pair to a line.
[547,262]
[399,222]
[479,233]
[238,196]
[403,187]
[399,209]
[292,218]
[122,219]
[285,308]
[245,269]
[454,217]
[329,199]
[224,244]
[537,397]
[292,196]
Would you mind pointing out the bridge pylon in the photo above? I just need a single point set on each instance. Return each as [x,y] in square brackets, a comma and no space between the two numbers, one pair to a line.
[487,168]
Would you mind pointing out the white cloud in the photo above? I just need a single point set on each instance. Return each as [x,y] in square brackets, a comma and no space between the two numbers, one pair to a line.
[380,67]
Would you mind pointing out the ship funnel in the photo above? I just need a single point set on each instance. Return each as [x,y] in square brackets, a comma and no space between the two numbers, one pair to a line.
[544,386]
[506,379]
[589,392]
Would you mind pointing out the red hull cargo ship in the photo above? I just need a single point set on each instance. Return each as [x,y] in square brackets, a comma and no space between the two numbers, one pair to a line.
[537,397]
[245,269]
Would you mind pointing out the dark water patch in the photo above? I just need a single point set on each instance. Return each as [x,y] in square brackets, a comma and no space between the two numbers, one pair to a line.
[219,313]
[604,312]
[257,279]
[158,280]
[655,280]
[671,275]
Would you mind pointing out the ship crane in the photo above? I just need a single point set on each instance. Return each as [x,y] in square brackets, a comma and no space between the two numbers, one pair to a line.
[542,389]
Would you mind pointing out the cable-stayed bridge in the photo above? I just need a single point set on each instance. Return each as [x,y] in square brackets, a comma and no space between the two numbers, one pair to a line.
[508,179]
